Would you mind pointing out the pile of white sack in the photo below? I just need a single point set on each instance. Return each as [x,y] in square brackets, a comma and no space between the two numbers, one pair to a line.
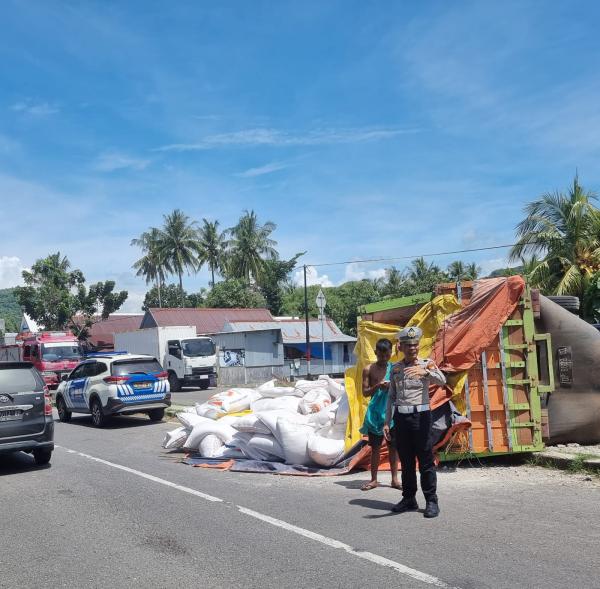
[304,424]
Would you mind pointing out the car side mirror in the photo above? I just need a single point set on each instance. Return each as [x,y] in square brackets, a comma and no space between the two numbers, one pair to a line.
[64,377]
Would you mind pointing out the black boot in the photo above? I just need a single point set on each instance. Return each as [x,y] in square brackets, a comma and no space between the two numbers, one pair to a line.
[407,504]
[431,509]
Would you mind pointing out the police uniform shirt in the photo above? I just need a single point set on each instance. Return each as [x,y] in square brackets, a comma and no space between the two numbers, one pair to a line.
[410,392]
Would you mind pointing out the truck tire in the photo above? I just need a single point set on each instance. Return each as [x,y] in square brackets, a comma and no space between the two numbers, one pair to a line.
[64,414]
[42,456]
[98,417]
[156,414]
[204,384]
[174,383]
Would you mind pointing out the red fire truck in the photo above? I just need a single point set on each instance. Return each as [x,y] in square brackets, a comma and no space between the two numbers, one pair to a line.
[52,353]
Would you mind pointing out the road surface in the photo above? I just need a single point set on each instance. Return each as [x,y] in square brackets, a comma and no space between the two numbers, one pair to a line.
[114,510]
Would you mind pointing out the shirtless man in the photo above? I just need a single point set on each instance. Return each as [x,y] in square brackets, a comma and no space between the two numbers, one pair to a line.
[375,383]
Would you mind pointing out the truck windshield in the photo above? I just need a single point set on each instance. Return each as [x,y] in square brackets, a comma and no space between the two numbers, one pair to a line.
[61,351]
[192,348]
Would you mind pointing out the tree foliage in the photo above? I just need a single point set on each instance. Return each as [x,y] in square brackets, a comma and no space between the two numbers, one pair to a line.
[234,293]
[274,282]
[211,247]
[171,297]
[57,298]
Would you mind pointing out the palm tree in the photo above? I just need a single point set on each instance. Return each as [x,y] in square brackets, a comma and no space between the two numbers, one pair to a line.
[248,245]
[151,265]
[211,244]
[457,271]
[178,245]
[472,271]
[565,230]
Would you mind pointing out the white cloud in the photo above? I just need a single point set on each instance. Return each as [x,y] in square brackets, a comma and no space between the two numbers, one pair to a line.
[134,302]
[262,170]
[10,271]
[277,138]
[34,109]
[488,266]
[355,272]
[312,277]
[112,161]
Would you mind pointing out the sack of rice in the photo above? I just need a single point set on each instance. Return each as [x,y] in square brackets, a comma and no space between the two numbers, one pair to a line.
[268,390]
[293,438]
[314,400]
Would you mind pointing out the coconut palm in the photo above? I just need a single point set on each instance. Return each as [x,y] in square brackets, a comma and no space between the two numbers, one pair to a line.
[472,271]
[249,244]
[151,265]
[565,230]
[178,245]
[211,247]
[457,271]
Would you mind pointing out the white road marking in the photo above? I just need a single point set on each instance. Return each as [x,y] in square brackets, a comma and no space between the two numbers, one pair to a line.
[369,556]
[144,475]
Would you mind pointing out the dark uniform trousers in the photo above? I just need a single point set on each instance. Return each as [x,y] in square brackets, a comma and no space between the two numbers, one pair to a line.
[412,433]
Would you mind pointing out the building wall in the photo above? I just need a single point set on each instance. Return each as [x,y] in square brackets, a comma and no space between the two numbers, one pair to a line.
[262,348]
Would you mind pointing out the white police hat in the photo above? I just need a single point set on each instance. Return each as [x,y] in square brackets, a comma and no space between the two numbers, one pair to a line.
[410,335]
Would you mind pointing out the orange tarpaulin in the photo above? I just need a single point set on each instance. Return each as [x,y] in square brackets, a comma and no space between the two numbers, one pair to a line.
[465,334]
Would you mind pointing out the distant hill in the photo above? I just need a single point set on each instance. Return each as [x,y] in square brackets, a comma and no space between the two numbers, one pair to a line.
[506,272]
[10,310]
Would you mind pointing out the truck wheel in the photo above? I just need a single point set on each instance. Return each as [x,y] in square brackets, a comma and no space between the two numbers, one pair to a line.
[156,414]
[174,383]
[63,413]
[98,417]
[42,456]
[204,384]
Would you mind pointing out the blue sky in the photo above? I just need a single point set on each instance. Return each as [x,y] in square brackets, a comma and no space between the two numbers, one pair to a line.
[362,129]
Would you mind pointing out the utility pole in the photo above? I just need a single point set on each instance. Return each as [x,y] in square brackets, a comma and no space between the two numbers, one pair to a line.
[307,326]
[321,302]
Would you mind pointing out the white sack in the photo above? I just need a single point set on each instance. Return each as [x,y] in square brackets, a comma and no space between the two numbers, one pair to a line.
[314,401]
[175,438]
[189,420]
[268,390]
[286,402]
[269,419]
[293,438]
[303,386]
[209,411]
[333,432]
[229,419]
[224,432]
[233,400]
[250,423]
[325,451]
[267,447]
[343,410]
[210,446]
[334,388]
[324,417]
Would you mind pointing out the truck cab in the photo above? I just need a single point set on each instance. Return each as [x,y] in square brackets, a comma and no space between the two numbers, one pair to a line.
[191,361]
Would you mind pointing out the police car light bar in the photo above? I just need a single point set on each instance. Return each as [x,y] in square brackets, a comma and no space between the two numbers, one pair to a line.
[104,354]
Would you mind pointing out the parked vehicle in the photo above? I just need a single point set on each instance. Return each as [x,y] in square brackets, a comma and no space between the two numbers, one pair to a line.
[52,353]
[26,422]
[189,359]
[114,383]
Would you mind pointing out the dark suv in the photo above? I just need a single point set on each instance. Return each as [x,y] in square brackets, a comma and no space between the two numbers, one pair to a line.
[26,422]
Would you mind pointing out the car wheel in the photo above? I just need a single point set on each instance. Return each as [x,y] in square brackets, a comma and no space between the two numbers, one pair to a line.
[174,383]
[42,457]
[63,413]
[156,414]
[98,417]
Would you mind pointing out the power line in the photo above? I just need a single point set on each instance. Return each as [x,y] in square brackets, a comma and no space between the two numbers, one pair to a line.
[465,251]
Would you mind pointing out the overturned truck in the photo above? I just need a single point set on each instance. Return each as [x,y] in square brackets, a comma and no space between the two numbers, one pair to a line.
[522,370]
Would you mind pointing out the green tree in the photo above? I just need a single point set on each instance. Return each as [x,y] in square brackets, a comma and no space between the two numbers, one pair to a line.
[152,266]
[274,281]
[211,247]
[10,309]
[234,293]
[48,295]
[394,283]
[458,270]
[423,277]
[178,245]
[249,244]
[171,297]
[563,228]
[56,296]
[94,304]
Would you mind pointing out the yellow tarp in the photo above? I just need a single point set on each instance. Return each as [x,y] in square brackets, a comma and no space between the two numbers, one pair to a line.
[429,318]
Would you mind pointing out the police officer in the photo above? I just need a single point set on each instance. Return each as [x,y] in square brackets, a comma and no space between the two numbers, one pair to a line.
[408,405]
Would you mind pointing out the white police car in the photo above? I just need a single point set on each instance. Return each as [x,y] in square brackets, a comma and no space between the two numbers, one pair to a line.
[114,383]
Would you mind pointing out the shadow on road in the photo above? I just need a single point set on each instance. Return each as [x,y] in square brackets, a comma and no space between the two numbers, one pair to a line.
[18,462]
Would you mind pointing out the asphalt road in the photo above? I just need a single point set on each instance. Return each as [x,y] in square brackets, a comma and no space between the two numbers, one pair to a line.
[114,510]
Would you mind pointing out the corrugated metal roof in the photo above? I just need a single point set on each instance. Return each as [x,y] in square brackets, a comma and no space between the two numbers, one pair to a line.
[294,331]
[102,334]
[207,321]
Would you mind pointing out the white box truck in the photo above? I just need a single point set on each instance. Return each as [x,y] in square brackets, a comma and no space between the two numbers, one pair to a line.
[189,359]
